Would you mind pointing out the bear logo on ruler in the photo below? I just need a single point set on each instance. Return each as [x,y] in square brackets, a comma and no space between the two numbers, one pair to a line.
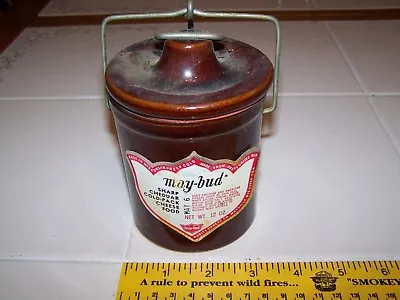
[324,281]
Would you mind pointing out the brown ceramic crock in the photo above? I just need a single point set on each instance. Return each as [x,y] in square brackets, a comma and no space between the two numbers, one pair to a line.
[196,103]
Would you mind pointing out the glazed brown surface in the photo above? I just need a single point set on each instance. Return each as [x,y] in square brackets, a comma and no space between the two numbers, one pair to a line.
[171,99]
[186,80]
[224,138]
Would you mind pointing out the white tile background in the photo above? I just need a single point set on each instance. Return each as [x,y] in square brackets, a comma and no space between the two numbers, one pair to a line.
[52,280]
[45,58]
[250,5]
[62,183]
[318,168]
[371,49]
[356,4]
[90,7]
[64,209]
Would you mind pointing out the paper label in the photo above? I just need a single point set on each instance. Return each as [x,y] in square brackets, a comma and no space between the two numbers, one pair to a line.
[195,195]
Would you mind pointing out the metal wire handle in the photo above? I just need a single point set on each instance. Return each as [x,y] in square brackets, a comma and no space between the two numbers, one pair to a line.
[189,12]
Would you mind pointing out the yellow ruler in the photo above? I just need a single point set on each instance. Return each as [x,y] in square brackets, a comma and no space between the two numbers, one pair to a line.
[350,280]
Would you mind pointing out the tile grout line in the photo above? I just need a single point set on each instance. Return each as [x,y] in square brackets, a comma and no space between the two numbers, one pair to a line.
[65,261]
[314,5]
[386,256]
[97,98]
[296,14]
[282,94]
[385,125]
[47,98]
[368,95]
[347,60]
[127,247]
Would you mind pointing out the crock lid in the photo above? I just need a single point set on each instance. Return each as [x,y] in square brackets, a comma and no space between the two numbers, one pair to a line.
[188,79]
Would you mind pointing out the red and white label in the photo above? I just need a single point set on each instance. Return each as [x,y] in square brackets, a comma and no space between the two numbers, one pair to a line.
[195,195]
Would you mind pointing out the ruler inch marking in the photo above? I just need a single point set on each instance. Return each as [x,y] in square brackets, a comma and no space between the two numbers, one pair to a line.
[344,267]
[387,268]
[285,270]
[365,266]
